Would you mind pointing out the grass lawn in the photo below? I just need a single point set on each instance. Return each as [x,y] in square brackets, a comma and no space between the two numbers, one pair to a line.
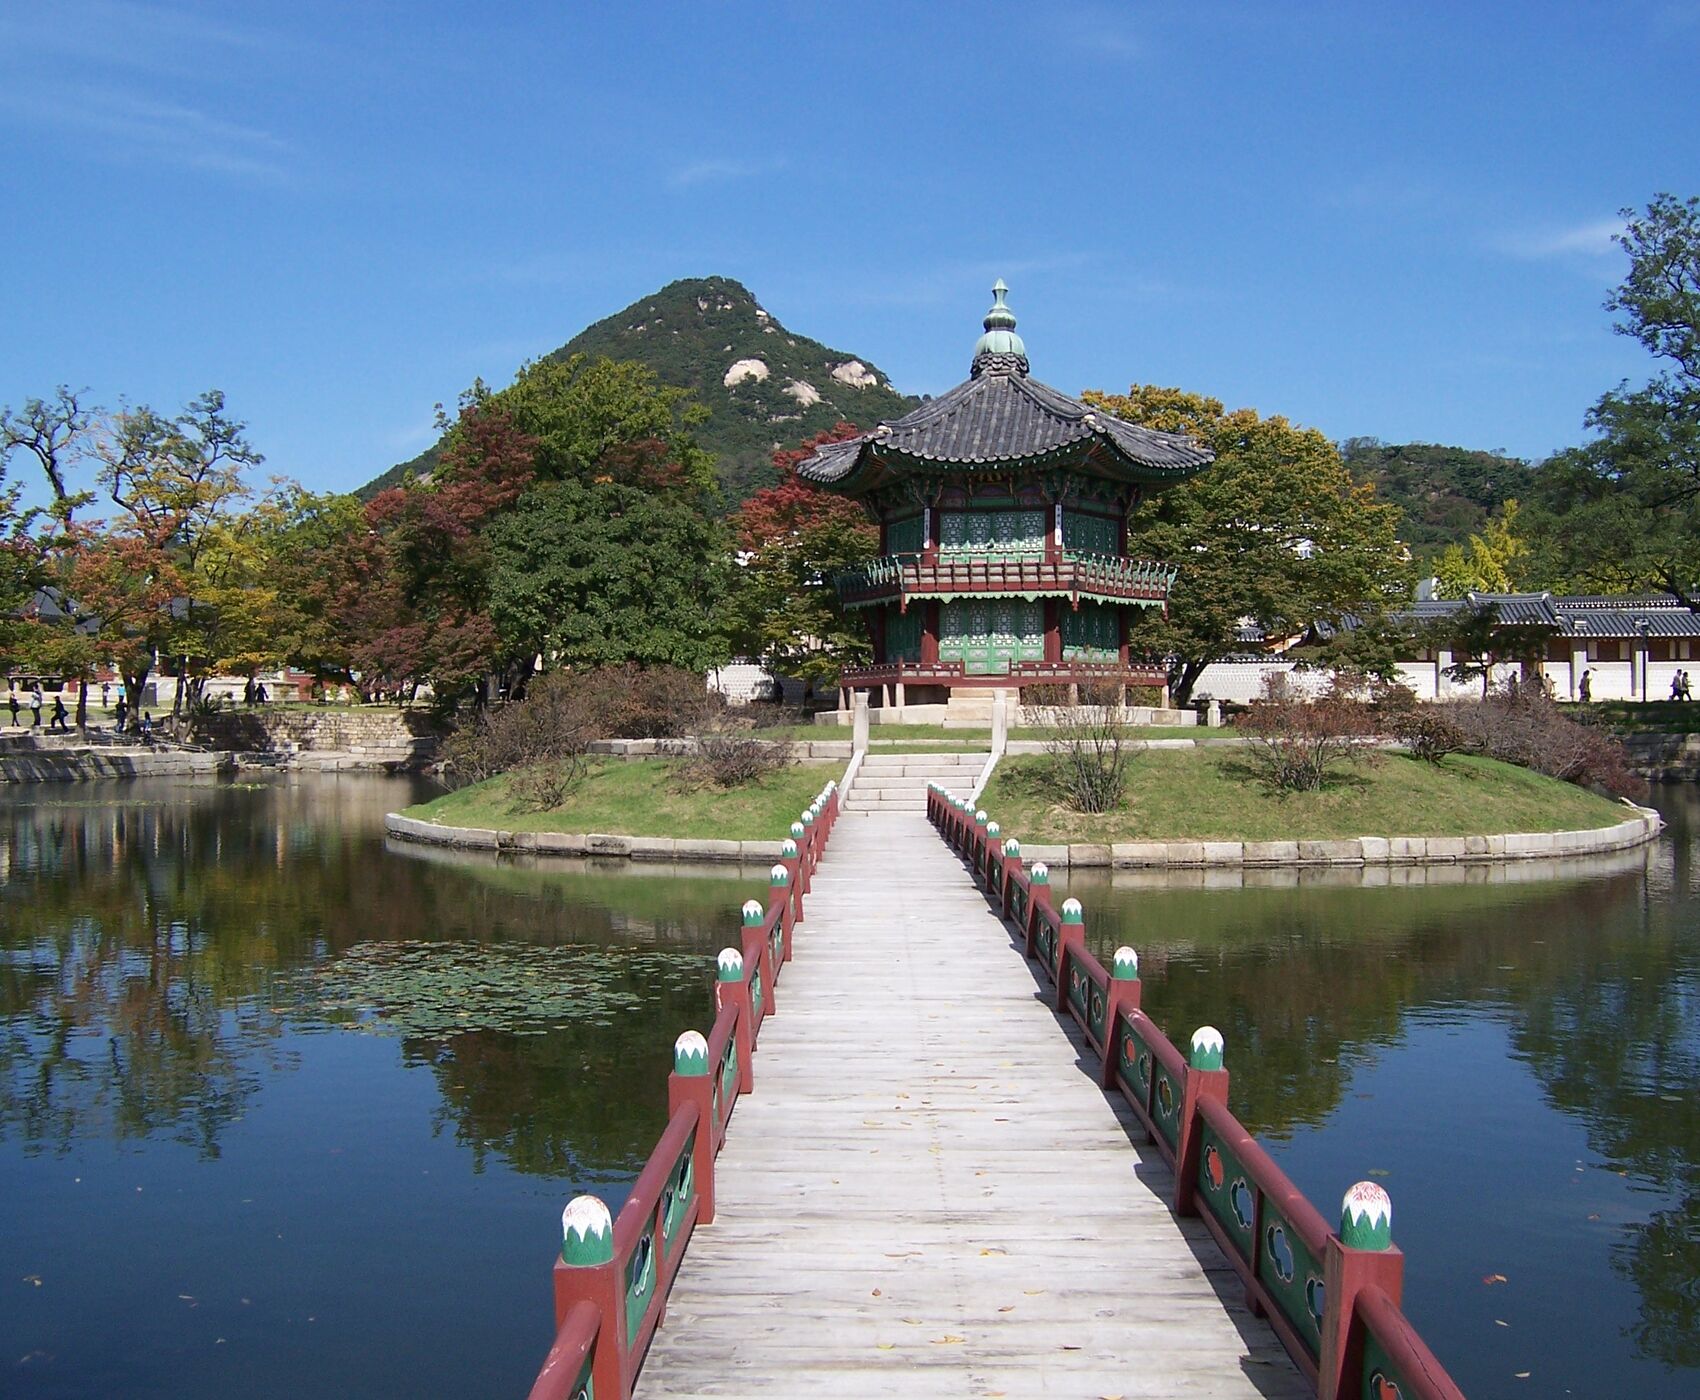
[650,798]
[1215,795]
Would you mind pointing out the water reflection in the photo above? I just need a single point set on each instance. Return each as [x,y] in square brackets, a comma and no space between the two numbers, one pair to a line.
[147,946]
[1324,986]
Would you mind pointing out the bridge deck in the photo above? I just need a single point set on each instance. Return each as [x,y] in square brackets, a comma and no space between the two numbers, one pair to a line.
[926,1195]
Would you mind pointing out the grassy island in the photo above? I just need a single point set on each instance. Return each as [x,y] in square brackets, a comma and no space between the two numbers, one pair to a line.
[1213,794]
[653,797]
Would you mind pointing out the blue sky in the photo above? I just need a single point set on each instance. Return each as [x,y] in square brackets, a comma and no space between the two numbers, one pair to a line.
[1377,219]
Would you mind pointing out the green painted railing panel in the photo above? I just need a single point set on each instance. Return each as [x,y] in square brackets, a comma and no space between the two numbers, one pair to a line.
[1293,1277]
[1380,1380]
[1097,1005]
[1227,1192]
[726,1086]
[676,1195]
[1078,987]
[640,1283]
[1166,1105]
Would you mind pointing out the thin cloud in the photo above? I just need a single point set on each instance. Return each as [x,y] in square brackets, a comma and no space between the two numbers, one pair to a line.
[127,126]
[705,172]
[159,39]
[1586,240]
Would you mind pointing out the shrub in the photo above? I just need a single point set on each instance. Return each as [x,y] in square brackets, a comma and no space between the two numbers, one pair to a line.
[554,724]
[1298,744]
[1524,725]
[545,786]
[1090,744]
[1428,731]
[637,702]
[727,752]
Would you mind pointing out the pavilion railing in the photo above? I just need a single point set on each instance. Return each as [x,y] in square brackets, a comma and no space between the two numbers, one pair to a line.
[1019,673]
[614,1273]
[1075,574]
[1332,1298]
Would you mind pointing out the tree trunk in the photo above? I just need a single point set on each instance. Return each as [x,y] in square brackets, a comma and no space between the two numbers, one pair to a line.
[83,702]
[133,683]
[1183,679]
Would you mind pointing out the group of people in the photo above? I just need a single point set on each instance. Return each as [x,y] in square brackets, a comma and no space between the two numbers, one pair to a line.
[1679,688]
[60,713]
[59,717]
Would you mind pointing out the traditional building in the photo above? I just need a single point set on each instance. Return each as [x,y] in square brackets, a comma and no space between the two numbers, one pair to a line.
[1002,508]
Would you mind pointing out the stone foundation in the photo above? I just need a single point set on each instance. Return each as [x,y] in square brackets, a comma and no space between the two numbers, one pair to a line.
[391,740]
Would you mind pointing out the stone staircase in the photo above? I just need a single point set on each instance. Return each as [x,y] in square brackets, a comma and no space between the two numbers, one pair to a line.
[897,782]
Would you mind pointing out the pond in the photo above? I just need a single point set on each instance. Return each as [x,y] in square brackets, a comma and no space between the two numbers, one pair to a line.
[221,1174]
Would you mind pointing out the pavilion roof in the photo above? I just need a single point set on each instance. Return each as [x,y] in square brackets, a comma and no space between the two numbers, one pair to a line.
[1001,417]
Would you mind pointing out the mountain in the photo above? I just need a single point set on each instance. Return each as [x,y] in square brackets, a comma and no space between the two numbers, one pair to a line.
[763,385]
[1446,493]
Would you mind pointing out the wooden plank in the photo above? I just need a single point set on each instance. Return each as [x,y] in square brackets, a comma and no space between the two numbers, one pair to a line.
[927,1194]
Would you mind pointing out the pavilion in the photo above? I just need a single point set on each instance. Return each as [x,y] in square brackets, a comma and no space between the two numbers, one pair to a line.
[1004,559]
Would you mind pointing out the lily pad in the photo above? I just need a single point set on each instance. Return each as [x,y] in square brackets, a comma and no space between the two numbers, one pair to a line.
[430,990]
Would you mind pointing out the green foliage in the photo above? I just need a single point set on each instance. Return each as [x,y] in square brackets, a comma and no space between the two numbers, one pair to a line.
[1275,531]
[1495,561]
[602,573]
[1444,494]
[688,335]
[1623,512]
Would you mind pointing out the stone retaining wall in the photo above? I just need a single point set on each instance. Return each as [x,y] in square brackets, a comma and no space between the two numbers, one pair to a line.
[390,739]
[81,765]
[1664,758]
[550,843]
[1636,830]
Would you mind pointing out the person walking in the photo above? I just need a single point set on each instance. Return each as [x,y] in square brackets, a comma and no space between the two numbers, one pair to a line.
[12,703]
[106,695]
[59,714]
[35,706]
[1685,693]
[120,713]
[1585,691]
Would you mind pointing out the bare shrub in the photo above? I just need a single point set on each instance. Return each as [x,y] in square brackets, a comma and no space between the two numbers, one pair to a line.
[1522,724]
[1298,744]
[1090,744]
[1428,731]
[727,752]
[553,724]
[638,702]
[545,786]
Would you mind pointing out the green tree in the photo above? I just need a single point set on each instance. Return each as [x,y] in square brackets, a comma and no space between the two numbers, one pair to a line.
[1494,562]
[1480,640]
[1275,532]
[794,540]
[603,572]
[1623,511]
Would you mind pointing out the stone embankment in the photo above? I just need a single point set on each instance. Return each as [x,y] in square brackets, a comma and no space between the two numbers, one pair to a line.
[29,758]
[1639,826]
[390,741]
[1664,758]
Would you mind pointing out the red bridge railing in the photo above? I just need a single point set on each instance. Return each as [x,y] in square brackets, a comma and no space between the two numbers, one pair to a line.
[613,1274]
[1332,1298]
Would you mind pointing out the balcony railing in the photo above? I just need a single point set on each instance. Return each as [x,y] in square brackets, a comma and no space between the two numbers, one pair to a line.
[1019,673]
[1077,575]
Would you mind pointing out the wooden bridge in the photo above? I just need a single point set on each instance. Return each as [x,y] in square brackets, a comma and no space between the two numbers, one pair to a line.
[963,1171]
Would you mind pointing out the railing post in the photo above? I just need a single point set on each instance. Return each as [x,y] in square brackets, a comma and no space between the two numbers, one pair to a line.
[1361,1256]
[1205,1079]
[789,858]
[731,989]
[977,848]
[585,1273]
[800,838]
[1071,938]
[1123,996]
[755,931]
[690,1082]
[1011,852]
[807,843]
[779,901]
[993,866]
[1039,898]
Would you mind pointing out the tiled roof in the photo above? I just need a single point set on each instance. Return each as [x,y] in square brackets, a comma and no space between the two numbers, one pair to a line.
[1002,416]
[1578,615]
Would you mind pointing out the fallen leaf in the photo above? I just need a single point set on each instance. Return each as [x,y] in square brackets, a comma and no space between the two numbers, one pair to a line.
[876,1293]
[33,1278]
[1500,1322]
[949,1339]
[1032,1292]
[1491,1279]
[1521,1375]
[994,1249]
[887,1346]
[1007,1307]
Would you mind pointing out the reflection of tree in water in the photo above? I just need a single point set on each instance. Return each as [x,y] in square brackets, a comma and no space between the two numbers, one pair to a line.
[1601,995]
[140,942]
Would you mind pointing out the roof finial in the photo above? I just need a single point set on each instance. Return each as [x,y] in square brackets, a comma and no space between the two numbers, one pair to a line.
[1000,348]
